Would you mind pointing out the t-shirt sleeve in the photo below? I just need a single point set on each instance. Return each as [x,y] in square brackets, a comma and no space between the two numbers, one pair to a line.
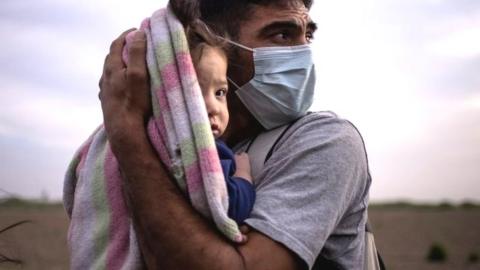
[316,171]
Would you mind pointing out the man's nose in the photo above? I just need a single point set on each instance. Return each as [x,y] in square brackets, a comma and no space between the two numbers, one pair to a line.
[302,40]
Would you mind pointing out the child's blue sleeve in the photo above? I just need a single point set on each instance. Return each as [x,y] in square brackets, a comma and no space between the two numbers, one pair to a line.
[241,193]
[241,196]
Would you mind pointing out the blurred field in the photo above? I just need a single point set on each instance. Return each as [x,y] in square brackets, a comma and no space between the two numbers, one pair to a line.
[404,234]
[40,244]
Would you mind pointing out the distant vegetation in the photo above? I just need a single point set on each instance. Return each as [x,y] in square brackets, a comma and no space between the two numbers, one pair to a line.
[473,258]
[18,202]
[437,253]
[445,205]
[15,202]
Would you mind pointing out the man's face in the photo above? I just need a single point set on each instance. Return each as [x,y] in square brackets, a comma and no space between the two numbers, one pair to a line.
[274,25]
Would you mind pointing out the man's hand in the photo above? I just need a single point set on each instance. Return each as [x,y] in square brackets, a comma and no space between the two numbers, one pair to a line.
[124,90]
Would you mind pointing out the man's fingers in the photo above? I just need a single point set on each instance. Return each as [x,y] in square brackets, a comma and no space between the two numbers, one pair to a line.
[137,66]
[117,45]
[105,65]
[244,229]
[113,62]
[114,58]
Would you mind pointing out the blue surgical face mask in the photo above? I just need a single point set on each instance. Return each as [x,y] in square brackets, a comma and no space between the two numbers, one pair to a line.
[283,85]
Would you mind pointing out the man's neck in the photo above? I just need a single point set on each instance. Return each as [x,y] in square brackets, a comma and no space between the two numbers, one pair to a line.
[242,124]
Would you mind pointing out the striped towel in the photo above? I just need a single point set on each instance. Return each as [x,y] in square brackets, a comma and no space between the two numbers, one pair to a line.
[101,235]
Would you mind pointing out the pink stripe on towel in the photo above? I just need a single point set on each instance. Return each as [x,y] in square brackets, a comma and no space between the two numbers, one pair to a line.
[119,220]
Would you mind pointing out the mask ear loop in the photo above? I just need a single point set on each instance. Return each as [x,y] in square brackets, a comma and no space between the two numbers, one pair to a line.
[236,44]
[232,82]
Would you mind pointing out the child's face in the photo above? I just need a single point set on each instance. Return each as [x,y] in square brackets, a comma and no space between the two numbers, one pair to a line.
[212,75]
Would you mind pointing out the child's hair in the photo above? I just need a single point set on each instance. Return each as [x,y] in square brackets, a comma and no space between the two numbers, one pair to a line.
[198,33]
[199,36]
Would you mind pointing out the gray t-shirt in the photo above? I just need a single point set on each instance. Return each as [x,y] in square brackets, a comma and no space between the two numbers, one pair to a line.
[312,193]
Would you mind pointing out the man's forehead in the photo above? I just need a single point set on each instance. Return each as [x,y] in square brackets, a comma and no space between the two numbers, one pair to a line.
[295,12]
[265,23]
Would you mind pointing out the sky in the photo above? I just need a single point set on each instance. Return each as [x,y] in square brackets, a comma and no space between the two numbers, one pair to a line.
[405,72]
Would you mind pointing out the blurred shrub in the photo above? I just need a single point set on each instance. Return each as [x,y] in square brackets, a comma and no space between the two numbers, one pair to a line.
[468,205]
[445,205]
[15,202]
[437,253]
[473,258]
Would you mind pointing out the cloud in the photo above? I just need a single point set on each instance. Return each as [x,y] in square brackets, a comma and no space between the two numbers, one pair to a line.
[404,71]
[42,117]
[435,42]
[473,102]
[51,60]
[462,43]
[61,45]
[29,168]
[439,164]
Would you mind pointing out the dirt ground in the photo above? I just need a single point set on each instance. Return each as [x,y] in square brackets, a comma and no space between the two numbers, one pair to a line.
[40,244]
[403,236]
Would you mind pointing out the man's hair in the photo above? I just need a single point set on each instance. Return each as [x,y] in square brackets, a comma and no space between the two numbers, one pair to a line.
[197,32]
[228,15]
[223,16]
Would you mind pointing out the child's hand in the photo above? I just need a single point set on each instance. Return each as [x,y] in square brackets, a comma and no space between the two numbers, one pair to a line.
[243,166]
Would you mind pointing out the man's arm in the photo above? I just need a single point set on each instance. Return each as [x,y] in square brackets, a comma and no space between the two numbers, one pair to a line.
[172,234]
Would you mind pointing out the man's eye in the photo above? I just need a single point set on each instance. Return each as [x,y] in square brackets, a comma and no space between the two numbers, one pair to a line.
[309,37]
[281,37]
[221,92]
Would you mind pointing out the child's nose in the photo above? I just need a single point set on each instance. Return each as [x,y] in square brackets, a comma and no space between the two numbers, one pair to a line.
[212,106]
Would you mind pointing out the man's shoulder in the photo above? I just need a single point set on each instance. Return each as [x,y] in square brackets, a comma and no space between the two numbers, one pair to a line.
[324,127]
[327,145]
[323,121]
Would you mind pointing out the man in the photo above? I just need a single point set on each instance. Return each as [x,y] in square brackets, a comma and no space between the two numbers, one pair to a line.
[312,194]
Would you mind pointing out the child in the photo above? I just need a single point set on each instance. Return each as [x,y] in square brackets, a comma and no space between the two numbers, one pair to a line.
[210,61]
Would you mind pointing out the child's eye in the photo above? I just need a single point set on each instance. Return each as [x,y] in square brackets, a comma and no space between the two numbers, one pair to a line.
[221,92]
